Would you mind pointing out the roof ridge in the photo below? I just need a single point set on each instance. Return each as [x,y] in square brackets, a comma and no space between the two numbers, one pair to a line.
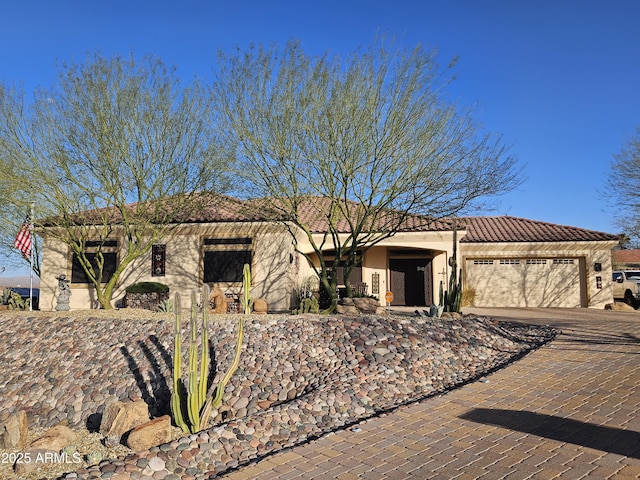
[507,228]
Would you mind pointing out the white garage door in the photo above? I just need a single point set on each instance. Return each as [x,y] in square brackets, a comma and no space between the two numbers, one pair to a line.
[526,282]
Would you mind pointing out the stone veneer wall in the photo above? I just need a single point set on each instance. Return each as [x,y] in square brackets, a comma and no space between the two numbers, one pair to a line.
[148,301]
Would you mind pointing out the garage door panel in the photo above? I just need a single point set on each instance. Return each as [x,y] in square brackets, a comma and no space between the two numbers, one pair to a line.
[531,282]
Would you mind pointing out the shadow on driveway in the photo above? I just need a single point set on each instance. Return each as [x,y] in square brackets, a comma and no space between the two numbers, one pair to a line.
[607,439]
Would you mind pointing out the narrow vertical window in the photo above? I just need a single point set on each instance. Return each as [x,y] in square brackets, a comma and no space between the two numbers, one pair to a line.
[158,260]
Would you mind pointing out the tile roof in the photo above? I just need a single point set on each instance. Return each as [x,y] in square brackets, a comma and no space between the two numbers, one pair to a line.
[626,256]
[514,229]
[204,208]
[312,211]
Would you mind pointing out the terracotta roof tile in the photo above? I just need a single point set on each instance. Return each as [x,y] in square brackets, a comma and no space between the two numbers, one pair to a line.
[626,256]
[514,229]
[313,212]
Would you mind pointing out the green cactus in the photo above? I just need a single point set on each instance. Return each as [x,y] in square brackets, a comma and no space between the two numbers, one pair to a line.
[191,407]
[441,296]
[247,301]
[453,297]
[308,305]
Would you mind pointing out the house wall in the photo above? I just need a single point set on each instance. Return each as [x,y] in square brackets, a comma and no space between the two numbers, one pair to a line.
[529,282]
[435,245]
[277,270]
[271,266]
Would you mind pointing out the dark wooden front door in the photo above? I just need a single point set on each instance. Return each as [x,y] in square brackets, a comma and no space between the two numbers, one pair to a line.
[411,281]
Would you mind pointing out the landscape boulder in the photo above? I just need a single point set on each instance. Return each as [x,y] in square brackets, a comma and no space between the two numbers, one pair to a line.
[55,439]
[13,432]
[152,433]
[217,301]
[120,417]
[260,305]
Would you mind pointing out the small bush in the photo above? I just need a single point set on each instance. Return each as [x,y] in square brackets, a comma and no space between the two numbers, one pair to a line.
[147,287]
[468,297]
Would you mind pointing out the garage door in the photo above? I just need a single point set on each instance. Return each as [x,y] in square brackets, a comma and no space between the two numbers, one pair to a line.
[526,282]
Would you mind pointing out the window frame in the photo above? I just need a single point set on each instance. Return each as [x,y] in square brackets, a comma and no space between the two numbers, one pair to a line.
[234,267]
[108,248]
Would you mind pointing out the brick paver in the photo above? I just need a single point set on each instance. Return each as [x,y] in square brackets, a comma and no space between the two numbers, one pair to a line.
[569,410]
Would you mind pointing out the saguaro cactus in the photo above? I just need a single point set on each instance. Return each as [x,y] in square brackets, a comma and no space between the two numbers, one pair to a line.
[191,406]
[453,297]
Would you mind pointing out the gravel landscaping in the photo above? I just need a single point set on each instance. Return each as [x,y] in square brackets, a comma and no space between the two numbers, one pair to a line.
[299,377]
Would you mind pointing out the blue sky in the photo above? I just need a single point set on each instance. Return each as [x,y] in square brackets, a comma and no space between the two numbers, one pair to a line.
[557,78]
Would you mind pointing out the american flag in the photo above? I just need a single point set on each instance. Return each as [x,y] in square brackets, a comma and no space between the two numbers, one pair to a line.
[23,239]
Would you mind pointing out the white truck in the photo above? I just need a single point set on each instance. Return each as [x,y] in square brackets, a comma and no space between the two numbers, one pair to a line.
[626,286]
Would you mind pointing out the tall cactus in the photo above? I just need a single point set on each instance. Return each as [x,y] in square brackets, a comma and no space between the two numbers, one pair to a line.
[247,301]
[191,407]
[453,297]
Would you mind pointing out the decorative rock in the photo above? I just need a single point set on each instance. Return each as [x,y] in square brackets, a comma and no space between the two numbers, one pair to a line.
[13,432]
[156,464]
[346,309]
[260,306]
[36,460]
[302,377]
[120,417]
[366,305]
[152,433]
[111,441]
[217,301]
[55,439]
[619,307]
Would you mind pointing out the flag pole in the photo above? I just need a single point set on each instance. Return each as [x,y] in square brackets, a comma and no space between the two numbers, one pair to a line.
[31,259]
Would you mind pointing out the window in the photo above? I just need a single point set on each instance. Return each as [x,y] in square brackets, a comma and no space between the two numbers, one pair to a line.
[158,260]
[483,262]
[563,261]
[509,261]
[354,278]
[109,253]
[224,259]
[536,261]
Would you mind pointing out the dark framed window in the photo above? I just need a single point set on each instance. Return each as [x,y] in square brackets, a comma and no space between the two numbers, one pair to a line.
[225,266]
[158,260]
[78,275]
[224,259]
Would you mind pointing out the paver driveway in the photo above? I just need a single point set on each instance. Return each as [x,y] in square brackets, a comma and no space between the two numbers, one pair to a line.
[569,410]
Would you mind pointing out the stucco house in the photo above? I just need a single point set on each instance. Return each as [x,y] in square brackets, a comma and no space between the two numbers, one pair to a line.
[624,259]
[506,261]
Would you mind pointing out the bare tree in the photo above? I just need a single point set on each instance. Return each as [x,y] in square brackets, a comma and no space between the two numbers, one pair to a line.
[623,191]
[125,142]
[373,136]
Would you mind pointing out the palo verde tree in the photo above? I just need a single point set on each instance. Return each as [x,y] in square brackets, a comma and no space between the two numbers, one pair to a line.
[112,151]
[347,149]
[623,190]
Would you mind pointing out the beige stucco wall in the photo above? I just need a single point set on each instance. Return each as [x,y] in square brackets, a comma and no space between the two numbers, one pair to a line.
[271,271]
[277,270]
[438,245]
[541,283]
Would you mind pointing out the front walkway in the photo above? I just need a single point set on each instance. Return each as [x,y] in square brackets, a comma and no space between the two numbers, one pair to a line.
[569,410]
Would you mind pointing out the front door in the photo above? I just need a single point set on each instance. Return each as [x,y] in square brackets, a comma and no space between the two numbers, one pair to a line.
[411,281]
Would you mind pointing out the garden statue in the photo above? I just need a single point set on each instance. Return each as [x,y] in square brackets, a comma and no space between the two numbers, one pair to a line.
[65,293]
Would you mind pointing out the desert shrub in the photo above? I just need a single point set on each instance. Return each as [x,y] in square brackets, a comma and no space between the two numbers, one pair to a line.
[147,287]
[468,297]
